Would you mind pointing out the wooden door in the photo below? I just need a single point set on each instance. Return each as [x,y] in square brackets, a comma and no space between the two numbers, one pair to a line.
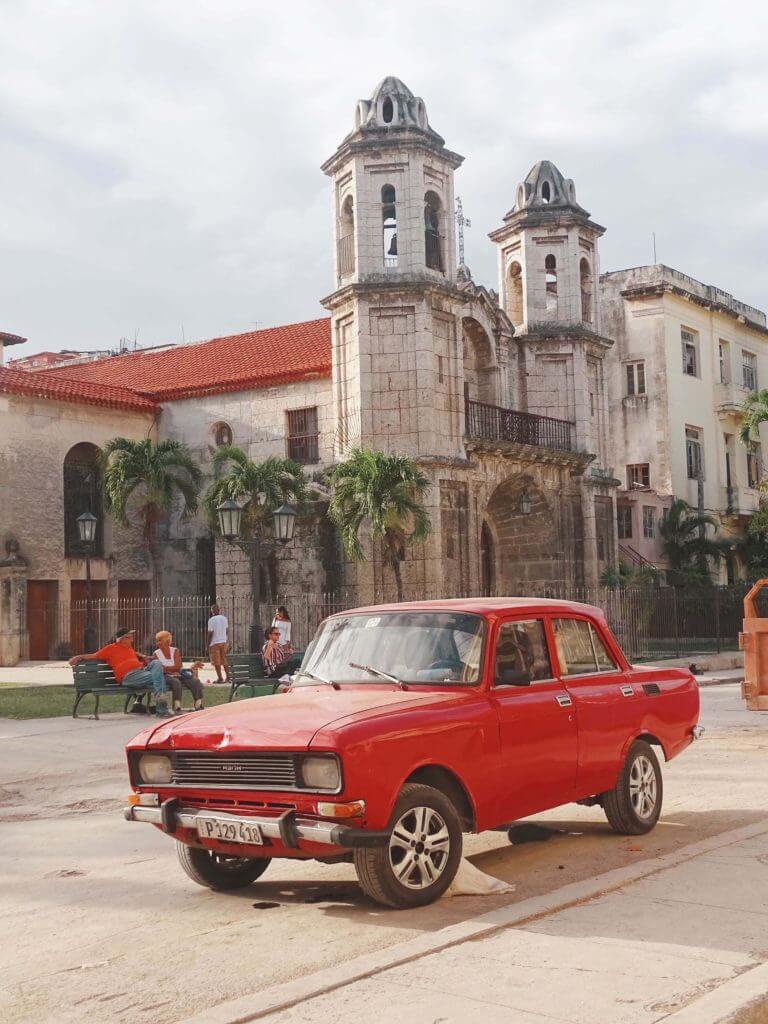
[78,597]
[42,610]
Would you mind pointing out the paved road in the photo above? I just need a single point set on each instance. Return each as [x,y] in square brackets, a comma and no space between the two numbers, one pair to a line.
[98,924]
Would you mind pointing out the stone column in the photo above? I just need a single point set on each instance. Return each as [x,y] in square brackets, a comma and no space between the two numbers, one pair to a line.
[591,574]
[13,584]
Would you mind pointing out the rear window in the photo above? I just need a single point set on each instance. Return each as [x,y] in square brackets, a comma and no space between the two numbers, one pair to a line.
[580,648]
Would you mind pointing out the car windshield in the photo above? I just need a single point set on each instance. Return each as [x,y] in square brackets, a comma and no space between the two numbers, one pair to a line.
[412,647]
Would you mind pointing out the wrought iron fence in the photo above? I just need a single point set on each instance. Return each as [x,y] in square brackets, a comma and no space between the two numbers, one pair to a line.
[495,423]
[650,622]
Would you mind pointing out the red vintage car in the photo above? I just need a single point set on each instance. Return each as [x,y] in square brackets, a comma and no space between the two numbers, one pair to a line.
[406,726]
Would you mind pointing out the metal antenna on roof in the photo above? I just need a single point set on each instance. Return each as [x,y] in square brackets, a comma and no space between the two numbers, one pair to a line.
[183,337]
[462,222]
[654,248]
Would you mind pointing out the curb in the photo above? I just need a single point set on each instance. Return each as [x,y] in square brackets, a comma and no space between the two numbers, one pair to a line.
[244,1009]
[720,1005]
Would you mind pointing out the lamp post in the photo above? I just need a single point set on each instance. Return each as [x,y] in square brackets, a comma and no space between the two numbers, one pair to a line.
[86,528]
[230,516]
[525,503]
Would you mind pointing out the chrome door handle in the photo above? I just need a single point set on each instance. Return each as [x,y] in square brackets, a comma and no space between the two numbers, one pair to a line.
[627,690]
[563,700]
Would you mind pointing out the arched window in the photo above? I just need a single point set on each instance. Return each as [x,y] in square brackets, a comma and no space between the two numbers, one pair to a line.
[515,293]
[546,192]
[389,223]
[82,493]
[346,252]
[222,434]
[550,276]
[387,111]
[432,239]
[585,278]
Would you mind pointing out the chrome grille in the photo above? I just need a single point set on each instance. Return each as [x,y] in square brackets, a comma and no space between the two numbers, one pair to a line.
[234,771]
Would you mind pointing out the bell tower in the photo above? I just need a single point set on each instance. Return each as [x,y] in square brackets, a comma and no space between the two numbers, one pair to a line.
[548,280]
[395,307]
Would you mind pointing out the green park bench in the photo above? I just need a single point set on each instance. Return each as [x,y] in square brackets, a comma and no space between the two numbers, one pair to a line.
[248,670]
[97,677]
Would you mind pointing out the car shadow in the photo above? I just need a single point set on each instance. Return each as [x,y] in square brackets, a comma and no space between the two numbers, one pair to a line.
[547,853]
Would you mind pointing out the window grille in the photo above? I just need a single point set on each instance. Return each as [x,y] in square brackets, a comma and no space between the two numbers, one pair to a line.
[303,435]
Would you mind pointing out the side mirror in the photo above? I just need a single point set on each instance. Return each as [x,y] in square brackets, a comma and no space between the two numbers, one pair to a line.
[513,677]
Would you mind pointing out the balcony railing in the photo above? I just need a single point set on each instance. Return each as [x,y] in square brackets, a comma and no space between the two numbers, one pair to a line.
[494,423]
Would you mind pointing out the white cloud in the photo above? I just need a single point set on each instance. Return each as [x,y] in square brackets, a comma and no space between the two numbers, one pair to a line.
[159,162]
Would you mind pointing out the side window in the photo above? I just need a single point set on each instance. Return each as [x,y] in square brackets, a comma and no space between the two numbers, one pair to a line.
[605,662]
[521,653]
[579,648]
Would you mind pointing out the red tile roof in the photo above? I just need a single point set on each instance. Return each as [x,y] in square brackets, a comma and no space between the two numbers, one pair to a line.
[61,389]
[242,362]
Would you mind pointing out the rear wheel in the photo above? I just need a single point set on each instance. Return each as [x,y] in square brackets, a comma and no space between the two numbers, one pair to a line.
[633,806]
[422,854]
[218,870]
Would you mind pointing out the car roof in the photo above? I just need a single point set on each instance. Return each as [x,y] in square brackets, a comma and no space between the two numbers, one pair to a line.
[491,606]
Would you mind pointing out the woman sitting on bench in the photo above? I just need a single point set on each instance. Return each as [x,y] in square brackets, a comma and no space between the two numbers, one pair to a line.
[176,676]
[131,669]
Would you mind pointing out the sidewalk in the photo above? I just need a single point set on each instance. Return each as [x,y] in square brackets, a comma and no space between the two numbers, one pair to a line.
[679,944]
[59,673]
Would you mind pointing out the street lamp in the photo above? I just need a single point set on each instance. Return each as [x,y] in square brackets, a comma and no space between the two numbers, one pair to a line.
[230,516]
[86,528]
[525,503]
[284,522]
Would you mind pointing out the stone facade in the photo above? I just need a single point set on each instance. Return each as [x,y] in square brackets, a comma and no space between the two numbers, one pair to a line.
[660,404]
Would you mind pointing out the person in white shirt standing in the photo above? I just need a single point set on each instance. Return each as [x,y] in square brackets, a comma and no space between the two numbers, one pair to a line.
[218,628]
[282,623]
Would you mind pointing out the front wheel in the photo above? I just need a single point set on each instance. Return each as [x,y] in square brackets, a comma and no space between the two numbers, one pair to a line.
[633,806]
[422,854]
[219,871]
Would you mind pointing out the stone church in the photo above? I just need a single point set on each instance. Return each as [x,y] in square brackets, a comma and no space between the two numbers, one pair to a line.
[499,395]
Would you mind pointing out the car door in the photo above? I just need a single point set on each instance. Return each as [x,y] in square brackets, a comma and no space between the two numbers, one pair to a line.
[605,701]
[537,726]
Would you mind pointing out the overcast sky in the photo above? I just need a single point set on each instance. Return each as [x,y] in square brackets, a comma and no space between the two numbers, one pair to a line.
[159,159]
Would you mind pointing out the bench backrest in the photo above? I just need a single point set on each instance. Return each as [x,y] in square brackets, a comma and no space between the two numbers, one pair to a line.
[243,667]
[89,674]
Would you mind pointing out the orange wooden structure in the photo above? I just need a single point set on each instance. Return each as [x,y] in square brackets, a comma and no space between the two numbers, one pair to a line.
[754,642]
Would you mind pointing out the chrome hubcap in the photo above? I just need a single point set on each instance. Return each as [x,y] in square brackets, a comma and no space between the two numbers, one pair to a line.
[419,847]
[643,789]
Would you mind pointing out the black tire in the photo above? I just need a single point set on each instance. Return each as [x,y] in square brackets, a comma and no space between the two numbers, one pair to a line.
[219,872]
[633,806]
[417,806]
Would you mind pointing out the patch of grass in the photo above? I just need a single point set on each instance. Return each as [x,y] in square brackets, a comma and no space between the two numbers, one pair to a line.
[56,701]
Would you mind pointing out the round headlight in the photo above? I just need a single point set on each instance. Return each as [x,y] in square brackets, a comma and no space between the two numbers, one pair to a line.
[320,773]
[155,769]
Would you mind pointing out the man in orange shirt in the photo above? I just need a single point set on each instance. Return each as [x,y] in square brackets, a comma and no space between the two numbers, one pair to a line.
[131,669]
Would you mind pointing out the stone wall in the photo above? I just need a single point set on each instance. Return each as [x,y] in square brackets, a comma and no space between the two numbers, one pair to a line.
[36,438]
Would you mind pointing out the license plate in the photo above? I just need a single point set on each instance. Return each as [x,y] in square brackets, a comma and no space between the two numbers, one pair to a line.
[228,831]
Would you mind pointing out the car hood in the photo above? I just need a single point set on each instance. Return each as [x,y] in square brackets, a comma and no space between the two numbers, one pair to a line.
[285,721]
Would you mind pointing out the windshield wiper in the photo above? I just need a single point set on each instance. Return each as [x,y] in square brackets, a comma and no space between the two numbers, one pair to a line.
[319,679]
[378,672]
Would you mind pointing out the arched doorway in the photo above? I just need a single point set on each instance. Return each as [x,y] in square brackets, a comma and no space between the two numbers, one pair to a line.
[480,369]
[487,562]
[523,529]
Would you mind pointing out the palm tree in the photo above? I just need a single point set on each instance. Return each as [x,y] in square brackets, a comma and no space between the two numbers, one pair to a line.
[263,485]
[685,544]
[384,491]
[154,475]
[755,412]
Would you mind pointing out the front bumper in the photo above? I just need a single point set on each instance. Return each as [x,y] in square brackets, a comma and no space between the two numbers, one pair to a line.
[287,828]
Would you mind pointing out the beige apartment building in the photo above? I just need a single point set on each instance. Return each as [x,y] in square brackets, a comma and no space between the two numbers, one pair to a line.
[686,356]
